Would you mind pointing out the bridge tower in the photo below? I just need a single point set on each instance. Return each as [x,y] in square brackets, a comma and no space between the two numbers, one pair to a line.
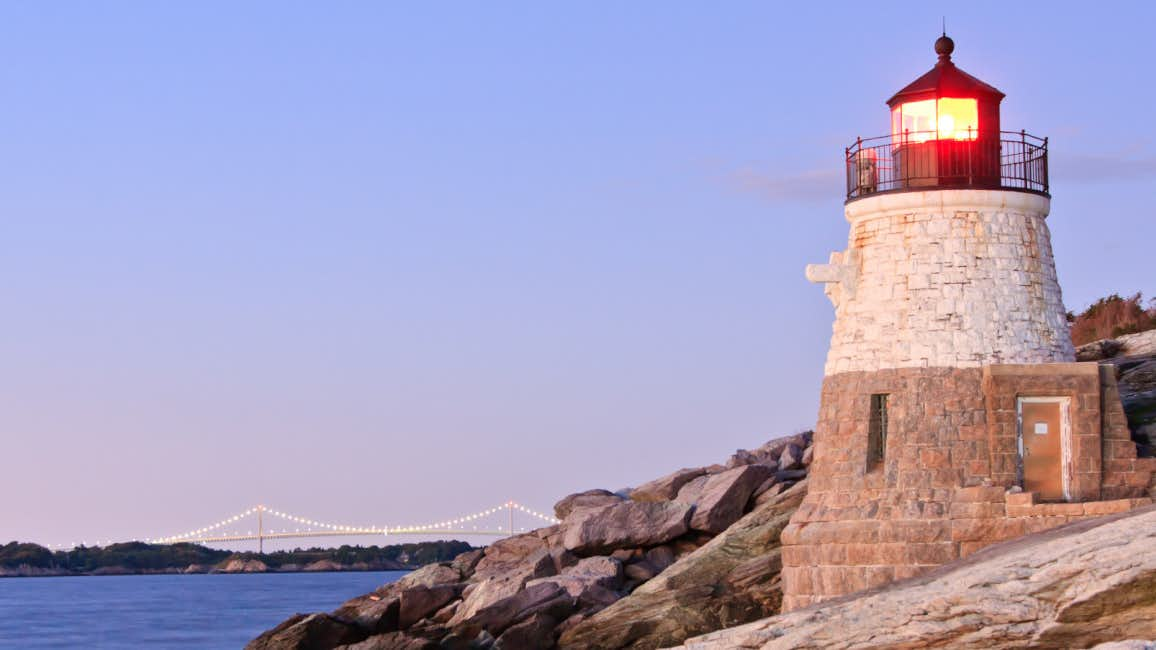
[949,332]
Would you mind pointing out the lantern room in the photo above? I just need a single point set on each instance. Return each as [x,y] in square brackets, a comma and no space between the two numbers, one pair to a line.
[945,132]
[946,103]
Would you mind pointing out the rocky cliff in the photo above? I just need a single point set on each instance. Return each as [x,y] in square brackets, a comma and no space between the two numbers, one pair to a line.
[1077,586]
[684,554]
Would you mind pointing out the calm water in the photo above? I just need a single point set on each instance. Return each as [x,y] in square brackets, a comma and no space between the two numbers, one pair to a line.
[168,611]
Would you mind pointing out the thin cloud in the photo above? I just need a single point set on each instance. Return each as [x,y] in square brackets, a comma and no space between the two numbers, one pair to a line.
[814,185]
[1097,168]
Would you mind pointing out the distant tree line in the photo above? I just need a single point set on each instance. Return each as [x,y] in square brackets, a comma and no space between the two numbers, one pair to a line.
[414,554]
[140,557]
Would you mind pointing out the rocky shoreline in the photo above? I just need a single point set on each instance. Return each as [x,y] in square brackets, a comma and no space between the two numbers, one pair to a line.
[682,555]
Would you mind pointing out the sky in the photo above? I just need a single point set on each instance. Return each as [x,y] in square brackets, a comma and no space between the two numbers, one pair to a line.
[396,262]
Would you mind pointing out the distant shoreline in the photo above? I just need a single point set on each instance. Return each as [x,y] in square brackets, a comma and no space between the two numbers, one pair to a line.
[35,572]
[26,560]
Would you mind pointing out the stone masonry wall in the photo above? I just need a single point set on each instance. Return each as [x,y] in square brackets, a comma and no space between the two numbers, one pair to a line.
[950,459]
[828,559]
[1124,474]
[948,278]
[1080,383]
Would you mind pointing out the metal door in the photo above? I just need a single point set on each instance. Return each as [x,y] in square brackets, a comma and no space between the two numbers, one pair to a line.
[1042,449]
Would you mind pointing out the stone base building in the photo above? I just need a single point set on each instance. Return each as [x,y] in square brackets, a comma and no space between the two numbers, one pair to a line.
[953,414]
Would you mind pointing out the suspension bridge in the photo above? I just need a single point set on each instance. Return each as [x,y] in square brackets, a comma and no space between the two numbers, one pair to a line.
[261,523]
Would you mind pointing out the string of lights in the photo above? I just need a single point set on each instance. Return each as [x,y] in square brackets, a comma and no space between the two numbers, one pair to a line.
[200,533]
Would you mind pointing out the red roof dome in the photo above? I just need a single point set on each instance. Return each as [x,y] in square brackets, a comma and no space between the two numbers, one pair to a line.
[945,80]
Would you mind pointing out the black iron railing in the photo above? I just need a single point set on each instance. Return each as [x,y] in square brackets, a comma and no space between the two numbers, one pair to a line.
[917,161]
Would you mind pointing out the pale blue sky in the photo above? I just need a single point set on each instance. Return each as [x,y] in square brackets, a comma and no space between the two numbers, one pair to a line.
[379,262]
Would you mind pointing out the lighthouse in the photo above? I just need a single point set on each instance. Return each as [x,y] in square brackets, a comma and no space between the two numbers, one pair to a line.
[953,414]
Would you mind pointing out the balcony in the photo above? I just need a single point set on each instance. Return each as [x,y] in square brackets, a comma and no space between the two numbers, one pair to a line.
[916,162]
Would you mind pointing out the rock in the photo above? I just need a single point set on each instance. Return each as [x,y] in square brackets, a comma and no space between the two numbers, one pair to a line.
[430,575]
[1086,583]
[500,581]
[534,633]
[443,615]
[691,491]
[323,565]
[764,486]
[705,590]
[689,543]
[507,552]
[419,602]
[562,558]
[373,613]
[660,557]
[465,563]
[771,494]
[1098,350]
[238,565]
[592,531]
[640,571]
[808,456]
[791,458]
[308,632]
[741,457]
[790,475]
[569,623]
[546,598]
[1138,344]
[1131,644]
[724,497]
[626,554]
[603,572]
[597,598]
[392,641]
[667,487]
[587,499]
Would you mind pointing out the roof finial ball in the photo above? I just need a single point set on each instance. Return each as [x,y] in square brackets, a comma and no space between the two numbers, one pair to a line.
[944,46]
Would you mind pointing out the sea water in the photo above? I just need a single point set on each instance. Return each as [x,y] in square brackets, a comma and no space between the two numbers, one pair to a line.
[167,611]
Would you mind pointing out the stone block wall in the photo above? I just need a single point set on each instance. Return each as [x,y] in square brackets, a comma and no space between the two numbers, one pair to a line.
[836,558]
[1125,475]
[947,278]
[1003,385]
[941,491]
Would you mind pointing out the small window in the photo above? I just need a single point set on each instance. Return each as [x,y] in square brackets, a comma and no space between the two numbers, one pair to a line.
[877,432]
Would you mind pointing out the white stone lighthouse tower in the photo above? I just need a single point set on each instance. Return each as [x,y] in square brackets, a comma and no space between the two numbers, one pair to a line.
[950,377]
[949,261]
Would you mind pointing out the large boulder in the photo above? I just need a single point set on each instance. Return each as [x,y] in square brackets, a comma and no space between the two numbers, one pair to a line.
[375,613]
[791,458]
[430,575]
[667,487]
[308,632]
[1076,586]
[548,599]
[724,497]
[733,578]
[534,633]
[393,641]
[587,499]
[593,531]
[599,571]
[417,603]
[507,553]
[465,563]
[497,585]
[690,492]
